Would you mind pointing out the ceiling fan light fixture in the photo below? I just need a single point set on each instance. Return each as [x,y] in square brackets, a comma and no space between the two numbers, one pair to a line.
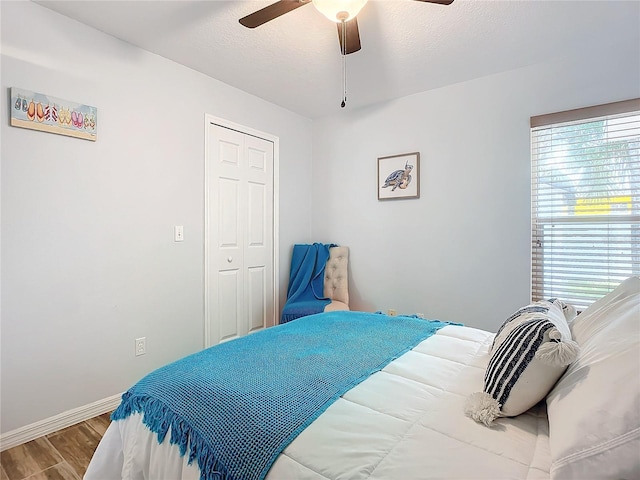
[339,10]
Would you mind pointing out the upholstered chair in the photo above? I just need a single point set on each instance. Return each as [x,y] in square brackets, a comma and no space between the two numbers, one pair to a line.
[336,279]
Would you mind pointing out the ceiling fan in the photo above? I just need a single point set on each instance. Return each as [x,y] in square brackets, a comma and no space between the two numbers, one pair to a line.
[343,12]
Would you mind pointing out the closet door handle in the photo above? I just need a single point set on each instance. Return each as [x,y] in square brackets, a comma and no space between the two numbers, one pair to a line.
[229,259]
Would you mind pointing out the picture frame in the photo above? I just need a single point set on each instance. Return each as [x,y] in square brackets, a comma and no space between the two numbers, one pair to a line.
[44,113]
[399,176]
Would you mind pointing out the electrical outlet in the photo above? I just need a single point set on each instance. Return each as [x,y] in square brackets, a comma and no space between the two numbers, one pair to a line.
[178,233]
[141,346]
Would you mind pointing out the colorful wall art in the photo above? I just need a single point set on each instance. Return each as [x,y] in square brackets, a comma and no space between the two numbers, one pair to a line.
[38,111]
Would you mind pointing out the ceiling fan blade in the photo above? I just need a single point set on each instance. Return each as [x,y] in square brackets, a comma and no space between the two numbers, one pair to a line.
[441,2]
[270,12]
[352,37]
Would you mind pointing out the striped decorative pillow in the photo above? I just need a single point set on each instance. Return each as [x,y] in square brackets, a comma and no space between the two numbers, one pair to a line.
[538,307]
[532,349]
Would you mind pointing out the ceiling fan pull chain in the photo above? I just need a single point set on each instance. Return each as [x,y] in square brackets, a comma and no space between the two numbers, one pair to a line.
[344,64]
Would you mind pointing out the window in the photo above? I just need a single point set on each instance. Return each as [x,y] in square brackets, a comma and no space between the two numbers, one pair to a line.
[585,201]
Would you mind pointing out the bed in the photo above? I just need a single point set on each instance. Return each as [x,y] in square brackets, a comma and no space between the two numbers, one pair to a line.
[421,412]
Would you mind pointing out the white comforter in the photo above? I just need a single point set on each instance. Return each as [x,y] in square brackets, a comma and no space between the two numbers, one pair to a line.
[405,422]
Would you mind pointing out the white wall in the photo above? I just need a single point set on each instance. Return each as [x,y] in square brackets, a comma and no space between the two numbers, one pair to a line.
[461,252]
[88,258]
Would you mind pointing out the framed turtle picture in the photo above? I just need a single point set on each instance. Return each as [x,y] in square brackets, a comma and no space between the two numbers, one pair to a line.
[399,176]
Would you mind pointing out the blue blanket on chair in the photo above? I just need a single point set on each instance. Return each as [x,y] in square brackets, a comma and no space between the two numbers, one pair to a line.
[235,407]
[305,295]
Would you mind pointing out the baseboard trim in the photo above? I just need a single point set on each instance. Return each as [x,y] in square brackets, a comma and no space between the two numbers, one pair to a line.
[57,422]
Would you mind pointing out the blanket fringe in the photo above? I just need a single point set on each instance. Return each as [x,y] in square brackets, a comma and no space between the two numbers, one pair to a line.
[158,418]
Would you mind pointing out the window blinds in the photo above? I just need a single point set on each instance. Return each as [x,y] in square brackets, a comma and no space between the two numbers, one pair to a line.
[585,200]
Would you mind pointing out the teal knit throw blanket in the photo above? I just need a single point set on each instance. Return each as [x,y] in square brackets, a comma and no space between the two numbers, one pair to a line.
[234,407]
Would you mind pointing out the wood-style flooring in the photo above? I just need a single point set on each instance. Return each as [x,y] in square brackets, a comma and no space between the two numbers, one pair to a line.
[62,455]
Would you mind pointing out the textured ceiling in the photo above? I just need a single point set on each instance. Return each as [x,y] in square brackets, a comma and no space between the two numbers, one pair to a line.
[407,46]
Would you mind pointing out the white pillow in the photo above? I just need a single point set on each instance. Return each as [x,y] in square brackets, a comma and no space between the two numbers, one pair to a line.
[594,409]
[531,351]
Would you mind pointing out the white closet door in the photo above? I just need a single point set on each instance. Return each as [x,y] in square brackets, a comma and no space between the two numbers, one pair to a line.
[240,220]
[258,251]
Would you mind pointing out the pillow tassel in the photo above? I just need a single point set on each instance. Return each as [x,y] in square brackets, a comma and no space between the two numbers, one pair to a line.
[557,353]
[482,407]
